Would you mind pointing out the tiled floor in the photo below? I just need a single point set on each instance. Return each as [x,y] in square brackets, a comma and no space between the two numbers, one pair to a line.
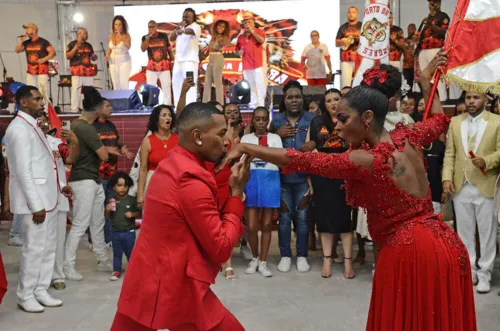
[285,302]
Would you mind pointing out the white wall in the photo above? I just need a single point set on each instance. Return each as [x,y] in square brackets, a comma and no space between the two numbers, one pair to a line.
[98,16]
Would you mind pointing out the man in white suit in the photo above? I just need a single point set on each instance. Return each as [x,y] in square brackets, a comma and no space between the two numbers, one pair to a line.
[34,191]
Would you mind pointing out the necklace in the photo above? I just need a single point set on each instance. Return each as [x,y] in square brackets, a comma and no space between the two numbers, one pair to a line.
[164,142]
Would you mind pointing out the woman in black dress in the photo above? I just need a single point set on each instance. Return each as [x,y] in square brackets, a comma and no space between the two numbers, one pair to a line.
[333,215]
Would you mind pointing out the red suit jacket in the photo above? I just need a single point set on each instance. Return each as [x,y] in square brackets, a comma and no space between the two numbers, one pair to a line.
[183,240]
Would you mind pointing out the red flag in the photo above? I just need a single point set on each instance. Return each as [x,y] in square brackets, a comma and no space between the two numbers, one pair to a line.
[473,44]
[54,120]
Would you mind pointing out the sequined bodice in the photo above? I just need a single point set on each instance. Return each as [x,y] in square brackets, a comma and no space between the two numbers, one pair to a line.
[391,211]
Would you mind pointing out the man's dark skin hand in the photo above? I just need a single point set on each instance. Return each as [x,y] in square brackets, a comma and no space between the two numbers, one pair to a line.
[286,131]
[39,217]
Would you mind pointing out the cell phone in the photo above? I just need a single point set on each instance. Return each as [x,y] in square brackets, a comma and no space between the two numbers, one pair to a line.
[263,141]
[190,74]
[66,125]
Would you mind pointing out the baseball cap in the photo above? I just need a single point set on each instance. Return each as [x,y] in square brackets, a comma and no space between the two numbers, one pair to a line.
[30,25]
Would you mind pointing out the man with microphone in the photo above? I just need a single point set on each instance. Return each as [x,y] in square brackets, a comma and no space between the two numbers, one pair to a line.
[80,54]
[38,53]
[187,58]
[251,45]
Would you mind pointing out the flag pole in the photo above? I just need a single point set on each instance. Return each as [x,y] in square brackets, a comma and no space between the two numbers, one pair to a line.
[437,77]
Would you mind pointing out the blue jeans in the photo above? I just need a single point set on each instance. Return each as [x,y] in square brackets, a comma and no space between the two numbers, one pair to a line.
[291,195]
[123,242]
[109,193]
[15,230]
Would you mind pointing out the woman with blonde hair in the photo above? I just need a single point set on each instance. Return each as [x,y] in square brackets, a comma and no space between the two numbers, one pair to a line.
[213,74]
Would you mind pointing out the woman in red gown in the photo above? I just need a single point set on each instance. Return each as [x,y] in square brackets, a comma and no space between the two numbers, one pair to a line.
[423,279]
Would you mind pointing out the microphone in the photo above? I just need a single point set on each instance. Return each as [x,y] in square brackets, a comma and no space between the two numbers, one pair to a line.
[21,36]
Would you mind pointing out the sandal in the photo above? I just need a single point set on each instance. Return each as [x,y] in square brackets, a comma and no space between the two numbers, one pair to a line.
[354,274]
[330,274]
[229,277]
[360,258]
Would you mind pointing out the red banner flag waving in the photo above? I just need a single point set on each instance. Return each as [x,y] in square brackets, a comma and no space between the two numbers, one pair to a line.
[473,44]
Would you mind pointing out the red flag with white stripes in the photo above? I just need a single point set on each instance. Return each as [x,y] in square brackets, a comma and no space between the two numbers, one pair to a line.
[473,44]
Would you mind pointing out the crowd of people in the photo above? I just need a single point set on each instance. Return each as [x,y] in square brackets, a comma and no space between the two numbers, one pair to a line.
[361,160]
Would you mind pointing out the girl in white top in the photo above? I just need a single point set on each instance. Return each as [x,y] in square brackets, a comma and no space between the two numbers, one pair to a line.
[263,190]
[118,57]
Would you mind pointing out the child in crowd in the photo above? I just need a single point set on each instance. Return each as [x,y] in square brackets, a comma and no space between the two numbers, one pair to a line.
[262,192]
[122,210]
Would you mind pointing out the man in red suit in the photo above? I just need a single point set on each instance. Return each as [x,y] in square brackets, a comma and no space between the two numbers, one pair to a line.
[184,236]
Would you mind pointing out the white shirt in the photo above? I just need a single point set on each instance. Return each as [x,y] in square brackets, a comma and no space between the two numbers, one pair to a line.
[273,140]
[316,60]
[186,46]
[473,125]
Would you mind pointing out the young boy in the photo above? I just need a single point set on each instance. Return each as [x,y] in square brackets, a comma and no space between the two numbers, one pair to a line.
[122,213]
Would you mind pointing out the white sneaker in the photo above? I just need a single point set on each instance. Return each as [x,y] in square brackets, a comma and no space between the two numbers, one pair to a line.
[31,306]
[285,264]
[246,253]
[484,283]
[264,270]
[302,264]
[252,266]
[15,241]
[72,274]
[104,266]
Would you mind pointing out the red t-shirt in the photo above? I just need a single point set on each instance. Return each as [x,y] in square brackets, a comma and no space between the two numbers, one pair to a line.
[81,64]
[430,39]
[37,49]
[158,52]
[347,30]
[253,55]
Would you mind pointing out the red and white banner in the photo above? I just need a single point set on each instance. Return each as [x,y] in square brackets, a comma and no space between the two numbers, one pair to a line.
[473,43]
[374,40]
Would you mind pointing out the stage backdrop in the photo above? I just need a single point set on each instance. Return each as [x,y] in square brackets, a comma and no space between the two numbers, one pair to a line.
[287,24]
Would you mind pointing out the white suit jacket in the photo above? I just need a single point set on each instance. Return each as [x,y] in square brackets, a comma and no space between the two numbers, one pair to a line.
[33,178]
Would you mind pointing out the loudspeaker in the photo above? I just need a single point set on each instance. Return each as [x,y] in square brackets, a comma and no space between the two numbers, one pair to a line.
[310,93]
[123,100]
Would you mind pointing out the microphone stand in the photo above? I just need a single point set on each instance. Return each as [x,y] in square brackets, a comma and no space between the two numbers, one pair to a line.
[4,69]
[106,72]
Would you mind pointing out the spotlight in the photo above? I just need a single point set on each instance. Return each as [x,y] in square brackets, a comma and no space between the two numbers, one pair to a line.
[78,18]
[240,93]
[149,94]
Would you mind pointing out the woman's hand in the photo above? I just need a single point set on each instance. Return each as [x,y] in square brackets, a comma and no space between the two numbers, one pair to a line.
[440,60]
[233,156]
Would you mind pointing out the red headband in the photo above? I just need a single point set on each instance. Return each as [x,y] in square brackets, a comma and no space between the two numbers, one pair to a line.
[375,72]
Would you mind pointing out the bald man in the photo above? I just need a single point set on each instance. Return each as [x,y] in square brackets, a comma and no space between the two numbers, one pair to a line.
[184,237]
[80,55]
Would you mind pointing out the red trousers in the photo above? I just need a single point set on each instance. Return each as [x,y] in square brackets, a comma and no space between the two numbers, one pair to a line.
[316,81]
[125,323]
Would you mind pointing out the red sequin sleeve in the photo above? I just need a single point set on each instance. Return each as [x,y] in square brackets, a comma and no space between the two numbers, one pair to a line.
[63,151]
[326,165]
[424,133]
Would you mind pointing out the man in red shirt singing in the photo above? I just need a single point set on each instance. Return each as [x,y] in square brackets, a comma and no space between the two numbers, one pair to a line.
[159,60]
[251,45]
[38,53]
[184,236]
[80,55]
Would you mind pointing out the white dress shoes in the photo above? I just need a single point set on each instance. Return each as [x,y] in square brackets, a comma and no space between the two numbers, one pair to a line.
[48,301]
[31,306]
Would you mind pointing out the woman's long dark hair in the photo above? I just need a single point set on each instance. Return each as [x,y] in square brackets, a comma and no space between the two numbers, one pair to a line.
[124,23]
[155,117]
[226,28]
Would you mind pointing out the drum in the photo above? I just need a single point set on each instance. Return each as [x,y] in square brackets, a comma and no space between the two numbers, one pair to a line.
[53,68]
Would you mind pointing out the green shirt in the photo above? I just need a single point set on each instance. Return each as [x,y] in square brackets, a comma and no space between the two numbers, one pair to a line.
[119,223]
[88,164]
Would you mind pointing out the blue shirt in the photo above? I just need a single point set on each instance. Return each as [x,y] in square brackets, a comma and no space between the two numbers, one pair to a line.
[295,142]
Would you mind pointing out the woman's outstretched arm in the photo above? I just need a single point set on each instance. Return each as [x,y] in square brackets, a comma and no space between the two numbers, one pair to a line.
[341,166]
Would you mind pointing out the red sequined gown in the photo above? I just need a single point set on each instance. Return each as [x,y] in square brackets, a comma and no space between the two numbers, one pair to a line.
[423,279]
